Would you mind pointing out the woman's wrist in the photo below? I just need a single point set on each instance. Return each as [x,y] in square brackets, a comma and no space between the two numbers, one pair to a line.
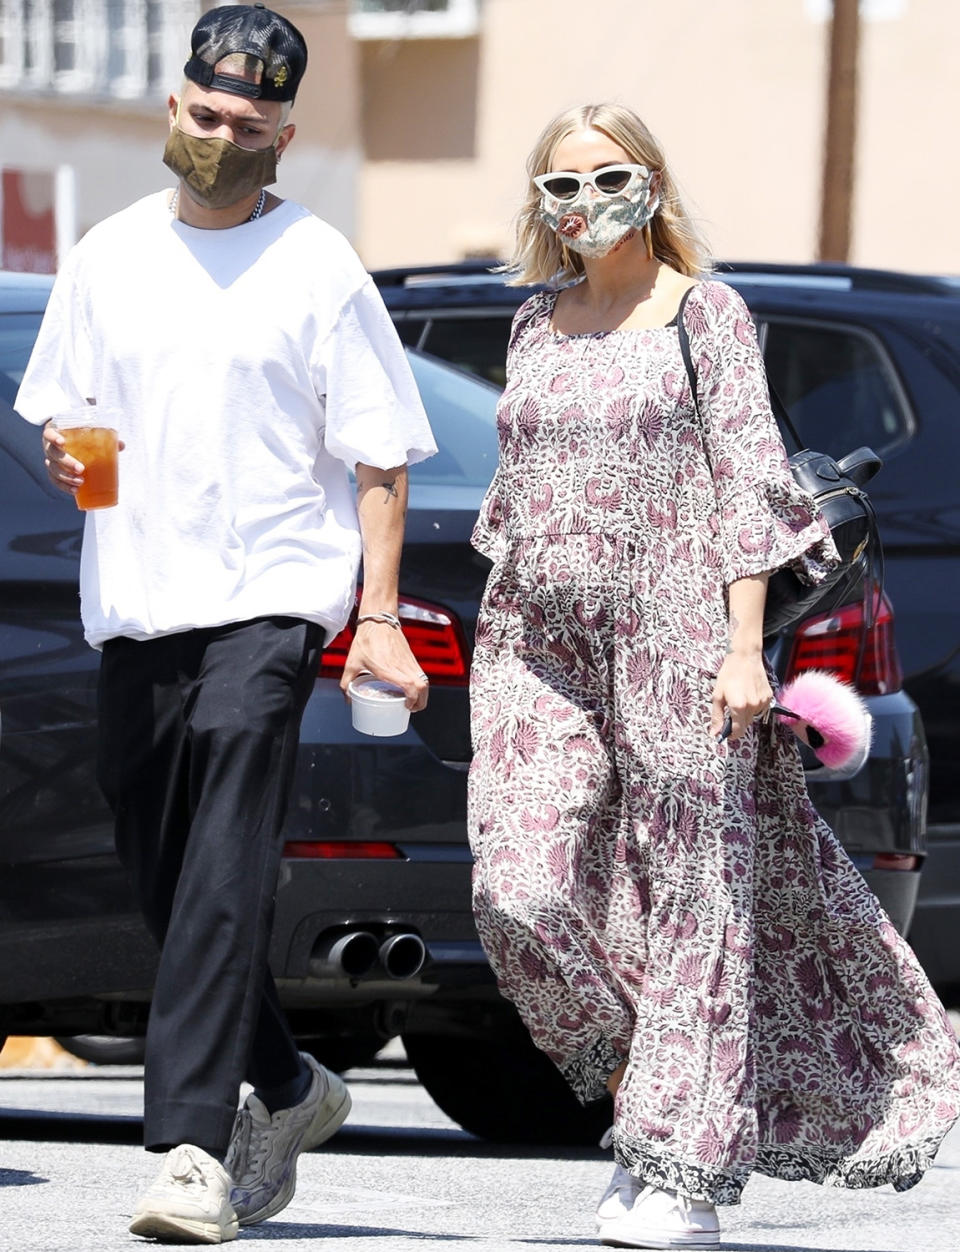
[745,650]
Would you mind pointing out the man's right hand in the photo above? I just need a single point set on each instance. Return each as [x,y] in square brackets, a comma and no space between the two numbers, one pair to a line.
[64,470]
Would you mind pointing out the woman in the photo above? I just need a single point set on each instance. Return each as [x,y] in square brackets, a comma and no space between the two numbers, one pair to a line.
[671,917]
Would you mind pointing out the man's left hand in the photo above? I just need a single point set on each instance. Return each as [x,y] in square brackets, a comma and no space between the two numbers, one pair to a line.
[383,651]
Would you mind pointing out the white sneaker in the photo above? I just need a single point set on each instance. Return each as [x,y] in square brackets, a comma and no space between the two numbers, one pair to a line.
[663,1219]
[262,1157]
[189,1202]
[619,1197]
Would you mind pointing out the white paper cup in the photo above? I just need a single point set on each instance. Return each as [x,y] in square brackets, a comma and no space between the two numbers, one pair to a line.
[378,707]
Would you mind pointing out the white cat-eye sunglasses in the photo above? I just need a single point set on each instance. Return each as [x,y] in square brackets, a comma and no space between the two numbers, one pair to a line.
[611,180]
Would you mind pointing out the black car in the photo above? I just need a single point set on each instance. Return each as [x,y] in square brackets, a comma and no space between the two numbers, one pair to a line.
[374,935]
[860,357]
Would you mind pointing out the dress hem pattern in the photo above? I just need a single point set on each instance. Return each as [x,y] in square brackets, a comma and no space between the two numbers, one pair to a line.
[588,1071]
[902,1169]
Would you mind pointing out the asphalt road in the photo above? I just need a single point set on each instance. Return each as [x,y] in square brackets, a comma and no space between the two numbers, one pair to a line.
[400,1176]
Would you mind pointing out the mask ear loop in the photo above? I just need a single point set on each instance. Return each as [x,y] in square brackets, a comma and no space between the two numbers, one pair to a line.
[175,197]
[648,226]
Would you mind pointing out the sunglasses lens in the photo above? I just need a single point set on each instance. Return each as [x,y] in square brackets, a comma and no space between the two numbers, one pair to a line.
[561,187]
[612,181]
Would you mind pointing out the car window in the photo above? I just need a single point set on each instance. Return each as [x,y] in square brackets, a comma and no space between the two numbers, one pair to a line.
[462,412]
[838,385]
[19,439]
[17,333]
[476,344]
[410,329]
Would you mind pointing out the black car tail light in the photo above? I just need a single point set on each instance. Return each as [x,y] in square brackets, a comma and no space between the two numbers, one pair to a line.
[342,850]
[834,642]
[435,636]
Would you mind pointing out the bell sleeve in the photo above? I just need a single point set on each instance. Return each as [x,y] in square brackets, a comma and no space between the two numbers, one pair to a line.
[765,521]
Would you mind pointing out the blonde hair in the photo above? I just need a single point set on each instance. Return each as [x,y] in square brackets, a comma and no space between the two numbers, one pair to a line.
[672,236]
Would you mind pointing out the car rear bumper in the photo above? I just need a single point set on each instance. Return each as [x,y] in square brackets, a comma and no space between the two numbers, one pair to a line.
[879,813]
[399,795]
[933,934]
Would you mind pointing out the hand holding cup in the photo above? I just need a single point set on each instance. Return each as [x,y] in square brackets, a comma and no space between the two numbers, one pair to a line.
[81,448]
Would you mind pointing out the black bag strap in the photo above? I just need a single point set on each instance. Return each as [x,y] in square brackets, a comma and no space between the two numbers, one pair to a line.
[685,348]
[780,412]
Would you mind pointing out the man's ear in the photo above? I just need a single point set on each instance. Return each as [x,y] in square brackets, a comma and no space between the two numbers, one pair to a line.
[173,105]
[286,134]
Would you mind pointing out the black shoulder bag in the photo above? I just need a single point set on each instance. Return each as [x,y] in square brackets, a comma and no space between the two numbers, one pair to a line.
[837,489]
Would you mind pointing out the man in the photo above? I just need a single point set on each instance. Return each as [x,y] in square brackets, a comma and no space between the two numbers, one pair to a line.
[252,363]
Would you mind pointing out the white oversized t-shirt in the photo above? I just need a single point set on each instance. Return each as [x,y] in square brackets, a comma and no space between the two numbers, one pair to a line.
[250,367]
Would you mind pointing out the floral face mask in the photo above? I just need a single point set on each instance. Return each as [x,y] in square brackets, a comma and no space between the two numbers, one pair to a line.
[593,213]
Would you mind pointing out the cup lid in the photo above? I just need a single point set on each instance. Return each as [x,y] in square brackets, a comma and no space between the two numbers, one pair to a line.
[86,415]
[373,688]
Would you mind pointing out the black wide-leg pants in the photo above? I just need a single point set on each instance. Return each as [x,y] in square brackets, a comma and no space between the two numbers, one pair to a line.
[198,740]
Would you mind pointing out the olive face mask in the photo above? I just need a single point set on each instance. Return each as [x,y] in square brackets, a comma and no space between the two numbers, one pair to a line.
[218,172]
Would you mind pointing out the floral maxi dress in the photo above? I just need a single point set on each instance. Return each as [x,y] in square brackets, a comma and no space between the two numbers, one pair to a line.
[643,893]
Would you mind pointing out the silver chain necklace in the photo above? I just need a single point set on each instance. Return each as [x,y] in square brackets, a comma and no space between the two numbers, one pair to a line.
[257,208]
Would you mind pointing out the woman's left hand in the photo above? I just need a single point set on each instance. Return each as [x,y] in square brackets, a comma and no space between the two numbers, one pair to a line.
[743,690]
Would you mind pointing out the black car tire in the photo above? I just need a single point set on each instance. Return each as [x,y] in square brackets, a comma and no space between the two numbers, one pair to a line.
[104,1049]
[505,1091]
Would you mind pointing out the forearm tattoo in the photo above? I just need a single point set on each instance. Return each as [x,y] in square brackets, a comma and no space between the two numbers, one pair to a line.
[734,627]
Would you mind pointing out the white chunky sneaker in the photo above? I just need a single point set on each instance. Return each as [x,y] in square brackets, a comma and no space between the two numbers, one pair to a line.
[663,1219]
[262,1157]
[619,1197]
[189,1202]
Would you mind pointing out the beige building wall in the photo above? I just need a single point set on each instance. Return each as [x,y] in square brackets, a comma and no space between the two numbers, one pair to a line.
[734,89]
[415,148]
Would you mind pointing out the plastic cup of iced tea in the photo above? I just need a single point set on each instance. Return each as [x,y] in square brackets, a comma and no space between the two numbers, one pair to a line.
[90,436]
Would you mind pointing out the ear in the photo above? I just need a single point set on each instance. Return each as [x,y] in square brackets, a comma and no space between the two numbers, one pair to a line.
[173,104]
[286,134]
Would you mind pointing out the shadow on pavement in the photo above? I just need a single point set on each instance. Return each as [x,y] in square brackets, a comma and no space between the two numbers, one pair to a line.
[439,1141]
[33,1126]
[359,1140]
[20,1178]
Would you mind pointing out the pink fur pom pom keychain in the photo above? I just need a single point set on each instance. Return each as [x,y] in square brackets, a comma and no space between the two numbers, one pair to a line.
[828,716]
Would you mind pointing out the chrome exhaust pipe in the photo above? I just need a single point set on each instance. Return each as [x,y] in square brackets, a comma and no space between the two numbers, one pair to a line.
[403,955]
[353,953]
